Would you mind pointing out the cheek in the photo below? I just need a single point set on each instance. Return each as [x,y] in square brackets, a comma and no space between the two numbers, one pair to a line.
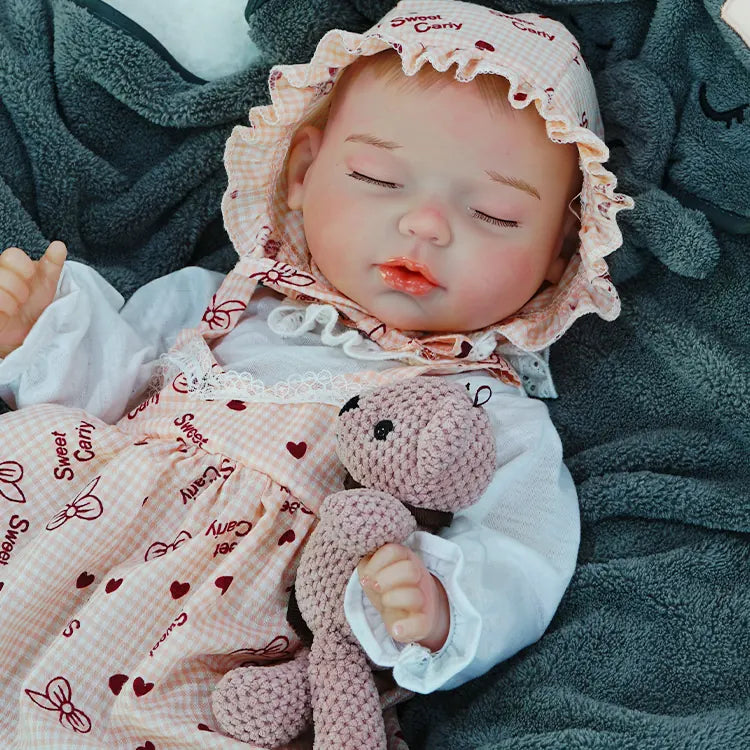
[325,223]
[505,280]
[502,267]
[525,267]
[336,227]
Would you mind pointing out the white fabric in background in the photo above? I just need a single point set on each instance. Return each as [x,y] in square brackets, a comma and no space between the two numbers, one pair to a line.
[737,14]
[207,37]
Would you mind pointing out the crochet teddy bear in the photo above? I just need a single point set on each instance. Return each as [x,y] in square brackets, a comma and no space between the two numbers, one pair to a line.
[415,452]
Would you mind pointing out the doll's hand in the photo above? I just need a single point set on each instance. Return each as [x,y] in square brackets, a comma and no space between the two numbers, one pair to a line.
[411,601]
[26,288]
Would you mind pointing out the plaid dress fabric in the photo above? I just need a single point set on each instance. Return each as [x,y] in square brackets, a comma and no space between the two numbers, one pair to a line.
[141,561]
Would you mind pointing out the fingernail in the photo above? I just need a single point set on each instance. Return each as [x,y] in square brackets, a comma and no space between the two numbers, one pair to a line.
[398,630]
[365,581]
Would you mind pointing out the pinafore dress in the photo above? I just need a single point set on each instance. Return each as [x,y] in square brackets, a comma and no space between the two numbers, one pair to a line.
[141,561]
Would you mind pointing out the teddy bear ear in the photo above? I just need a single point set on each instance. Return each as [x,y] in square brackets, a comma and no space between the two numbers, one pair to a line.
[352,403]
[442,441]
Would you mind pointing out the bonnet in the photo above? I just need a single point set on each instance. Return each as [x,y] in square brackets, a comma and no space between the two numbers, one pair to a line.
[542,62]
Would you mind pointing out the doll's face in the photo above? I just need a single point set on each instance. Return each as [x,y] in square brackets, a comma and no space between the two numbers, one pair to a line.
[430,209]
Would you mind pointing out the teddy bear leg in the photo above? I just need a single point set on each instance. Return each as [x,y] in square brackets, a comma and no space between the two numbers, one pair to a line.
[346,704]
[265,705]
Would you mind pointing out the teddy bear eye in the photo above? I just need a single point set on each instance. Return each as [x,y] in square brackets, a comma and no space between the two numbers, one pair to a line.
[382,428]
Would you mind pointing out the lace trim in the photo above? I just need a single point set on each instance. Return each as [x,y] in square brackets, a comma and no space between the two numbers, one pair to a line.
[532,368]
[206,381]
[290,320]
[209,383]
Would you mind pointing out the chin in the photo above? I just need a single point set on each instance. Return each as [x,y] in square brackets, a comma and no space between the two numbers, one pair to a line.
[401,324]
[410,320]
[421,324]
[404,320]
[395,313]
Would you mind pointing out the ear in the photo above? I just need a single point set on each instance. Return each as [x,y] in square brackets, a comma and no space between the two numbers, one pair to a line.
[302,152]
[443,440]
[567,240]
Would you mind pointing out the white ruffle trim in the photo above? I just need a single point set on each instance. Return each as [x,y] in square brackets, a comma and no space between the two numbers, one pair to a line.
[210,382]
[293,320]
[290,320]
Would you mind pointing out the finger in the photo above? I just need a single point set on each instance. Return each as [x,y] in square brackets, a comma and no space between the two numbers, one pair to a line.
[416,627]
[402,573]
[15,286]
[8,303]
[362,566]
[4,319]
[14,259]
[409,598]
[364,579]
[51,263]
[56,253]
[385,556]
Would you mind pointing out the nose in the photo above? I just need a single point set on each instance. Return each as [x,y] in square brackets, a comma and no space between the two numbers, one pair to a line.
[426,223]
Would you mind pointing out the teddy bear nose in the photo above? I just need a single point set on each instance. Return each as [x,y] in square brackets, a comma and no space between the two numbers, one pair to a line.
[352,403]
[382,428]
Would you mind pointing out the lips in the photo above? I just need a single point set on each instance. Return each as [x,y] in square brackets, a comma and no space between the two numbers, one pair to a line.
[407,275]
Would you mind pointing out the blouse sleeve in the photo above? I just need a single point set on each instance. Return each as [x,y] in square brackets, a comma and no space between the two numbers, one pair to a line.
[90,349]
[505,562]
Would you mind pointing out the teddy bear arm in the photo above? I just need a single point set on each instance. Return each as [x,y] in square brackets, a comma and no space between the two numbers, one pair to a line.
[363,520]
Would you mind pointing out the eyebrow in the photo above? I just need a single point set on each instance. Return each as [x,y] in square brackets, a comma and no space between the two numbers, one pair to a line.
[373,140]
[514,182]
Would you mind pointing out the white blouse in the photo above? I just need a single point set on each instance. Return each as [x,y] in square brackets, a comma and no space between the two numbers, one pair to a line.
[505,562]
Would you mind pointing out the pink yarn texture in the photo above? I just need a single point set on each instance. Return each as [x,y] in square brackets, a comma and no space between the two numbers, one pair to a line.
[422,442]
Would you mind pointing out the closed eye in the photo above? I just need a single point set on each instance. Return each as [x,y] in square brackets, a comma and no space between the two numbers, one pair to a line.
[372,180]
[476,214]
[492,220]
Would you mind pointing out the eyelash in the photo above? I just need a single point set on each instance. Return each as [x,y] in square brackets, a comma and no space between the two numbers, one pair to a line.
[476,214]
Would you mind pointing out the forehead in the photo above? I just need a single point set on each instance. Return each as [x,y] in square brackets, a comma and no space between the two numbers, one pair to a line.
[448,114]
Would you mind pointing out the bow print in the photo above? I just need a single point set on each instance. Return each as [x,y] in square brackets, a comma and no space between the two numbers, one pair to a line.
[159,549]
[217,316]
[56,697]
[11,473]
[85,506]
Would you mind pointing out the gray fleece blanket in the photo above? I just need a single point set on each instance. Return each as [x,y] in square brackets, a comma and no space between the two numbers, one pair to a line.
[104,144]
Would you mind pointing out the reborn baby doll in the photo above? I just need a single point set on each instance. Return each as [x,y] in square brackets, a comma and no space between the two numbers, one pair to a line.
[401,207]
